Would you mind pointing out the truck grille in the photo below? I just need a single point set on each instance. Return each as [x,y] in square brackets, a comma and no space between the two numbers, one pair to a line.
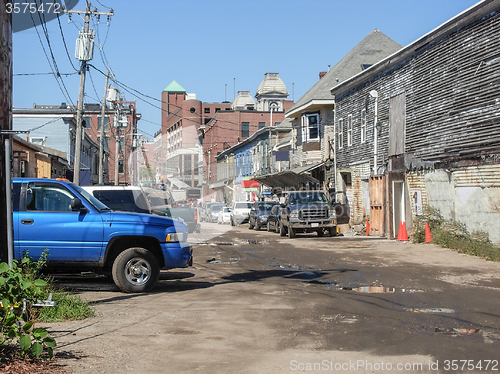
[312,214]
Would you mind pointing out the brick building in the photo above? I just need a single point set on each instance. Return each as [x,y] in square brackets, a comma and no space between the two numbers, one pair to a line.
[194,132]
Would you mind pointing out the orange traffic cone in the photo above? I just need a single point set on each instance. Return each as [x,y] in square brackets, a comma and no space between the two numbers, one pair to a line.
[402,234]
[428,235]
[367,227]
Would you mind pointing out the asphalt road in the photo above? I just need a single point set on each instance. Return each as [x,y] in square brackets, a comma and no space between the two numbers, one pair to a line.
[255,302]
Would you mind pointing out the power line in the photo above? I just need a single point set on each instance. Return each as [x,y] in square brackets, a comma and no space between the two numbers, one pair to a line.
[56,73]
[64,42]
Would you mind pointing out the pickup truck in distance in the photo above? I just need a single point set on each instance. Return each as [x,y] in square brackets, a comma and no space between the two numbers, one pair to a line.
[83,234]
[309,211]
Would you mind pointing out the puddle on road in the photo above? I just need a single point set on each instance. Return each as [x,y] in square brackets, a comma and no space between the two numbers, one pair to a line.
[430,310]
[366,289]
[252,241]
[489,337]
[375,289]
[454,331]
[221,243]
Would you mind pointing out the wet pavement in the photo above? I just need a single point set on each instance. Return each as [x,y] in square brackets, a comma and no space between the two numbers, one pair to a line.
[255,302]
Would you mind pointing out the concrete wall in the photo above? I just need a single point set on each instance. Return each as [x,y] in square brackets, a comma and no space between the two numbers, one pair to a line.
[470,195]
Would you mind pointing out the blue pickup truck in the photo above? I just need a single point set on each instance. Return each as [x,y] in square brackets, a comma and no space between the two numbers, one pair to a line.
[83,234]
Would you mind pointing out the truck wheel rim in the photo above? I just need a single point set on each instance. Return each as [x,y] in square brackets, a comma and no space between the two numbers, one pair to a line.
[138,271]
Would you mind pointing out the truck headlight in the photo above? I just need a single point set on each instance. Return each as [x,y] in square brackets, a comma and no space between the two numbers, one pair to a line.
[294,214]
[174,237]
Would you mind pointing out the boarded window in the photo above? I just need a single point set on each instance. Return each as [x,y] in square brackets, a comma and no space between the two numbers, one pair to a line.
[397,124]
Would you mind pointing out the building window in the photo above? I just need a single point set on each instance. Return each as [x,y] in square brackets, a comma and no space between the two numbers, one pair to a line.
[121,144]
[310,128]
[121,168]
[105,143]
[245,129]
[363,126]
[38,140]
[207,110]
[262,125]
[106,124]
[349,130]
[340,133]
[87,122]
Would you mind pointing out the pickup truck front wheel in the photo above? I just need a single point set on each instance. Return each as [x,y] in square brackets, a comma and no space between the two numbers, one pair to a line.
[135,270]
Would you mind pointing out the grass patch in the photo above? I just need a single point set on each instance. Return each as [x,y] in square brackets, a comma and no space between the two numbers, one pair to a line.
[68,308]
[454,235]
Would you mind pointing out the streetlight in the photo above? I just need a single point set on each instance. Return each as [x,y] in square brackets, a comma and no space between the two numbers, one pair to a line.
[374,94]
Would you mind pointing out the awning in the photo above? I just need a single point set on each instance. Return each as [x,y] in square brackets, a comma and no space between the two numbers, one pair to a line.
[220,184]
[249,183]
[290,178]
[176,183]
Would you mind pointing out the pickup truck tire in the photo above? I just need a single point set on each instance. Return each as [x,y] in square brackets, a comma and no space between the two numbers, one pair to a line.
[332,231]
[135,270]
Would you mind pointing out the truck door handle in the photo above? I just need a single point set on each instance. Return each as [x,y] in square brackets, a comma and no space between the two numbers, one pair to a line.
[27,221]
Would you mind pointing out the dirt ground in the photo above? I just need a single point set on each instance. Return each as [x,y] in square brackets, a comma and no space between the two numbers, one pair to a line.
[231,313]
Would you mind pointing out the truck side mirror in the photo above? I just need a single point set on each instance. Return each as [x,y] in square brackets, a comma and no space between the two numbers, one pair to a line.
[76,204]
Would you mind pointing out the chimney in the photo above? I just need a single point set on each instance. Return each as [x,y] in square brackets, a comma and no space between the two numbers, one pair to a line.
[322,74]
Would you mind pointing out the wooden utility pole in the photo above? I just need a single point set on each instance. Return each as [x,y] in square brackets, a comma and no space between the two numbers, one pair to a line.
[79,110]
[86,41]
[5,124]
[101,133]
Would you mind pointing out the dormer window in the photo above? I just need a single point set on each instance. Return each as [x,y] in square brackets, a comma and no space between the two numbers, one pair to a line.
[310,128]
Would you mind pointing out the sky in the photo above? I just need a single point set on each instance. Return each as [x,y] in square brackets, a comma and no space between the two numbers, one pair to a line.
[212,48]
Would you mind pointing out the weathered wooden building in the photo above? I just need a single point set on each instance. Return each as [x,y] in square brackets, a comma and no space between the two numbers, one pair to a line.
[422,127]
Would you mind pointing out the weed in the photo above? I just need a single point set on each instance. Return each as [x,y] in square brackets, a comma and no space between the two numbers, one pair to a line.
[68,307]
[454,235]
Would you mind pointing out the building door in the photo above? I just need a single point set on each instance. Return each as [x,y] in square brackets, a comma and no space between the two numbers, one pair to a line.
[398,206]
[377,204]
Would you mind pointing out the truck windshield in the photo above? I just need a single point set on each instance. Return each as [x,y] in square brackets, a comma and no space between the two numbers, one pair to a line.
[91,199]
[265,206]
[308,198]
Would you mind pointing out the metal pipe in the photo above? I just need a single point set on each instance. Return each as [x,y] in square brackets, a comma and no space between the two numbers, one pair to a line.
[8,198]
[374,94]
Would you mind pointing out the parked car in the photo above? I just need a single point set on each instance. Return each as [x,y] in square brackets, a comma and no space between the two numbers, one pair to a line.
[204,211]
[224,215]
[121,198]
[81,234]
[273,219]
[213,212]
[240,212]
[161,205]
[311,211]
[258,214]
[135,199]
